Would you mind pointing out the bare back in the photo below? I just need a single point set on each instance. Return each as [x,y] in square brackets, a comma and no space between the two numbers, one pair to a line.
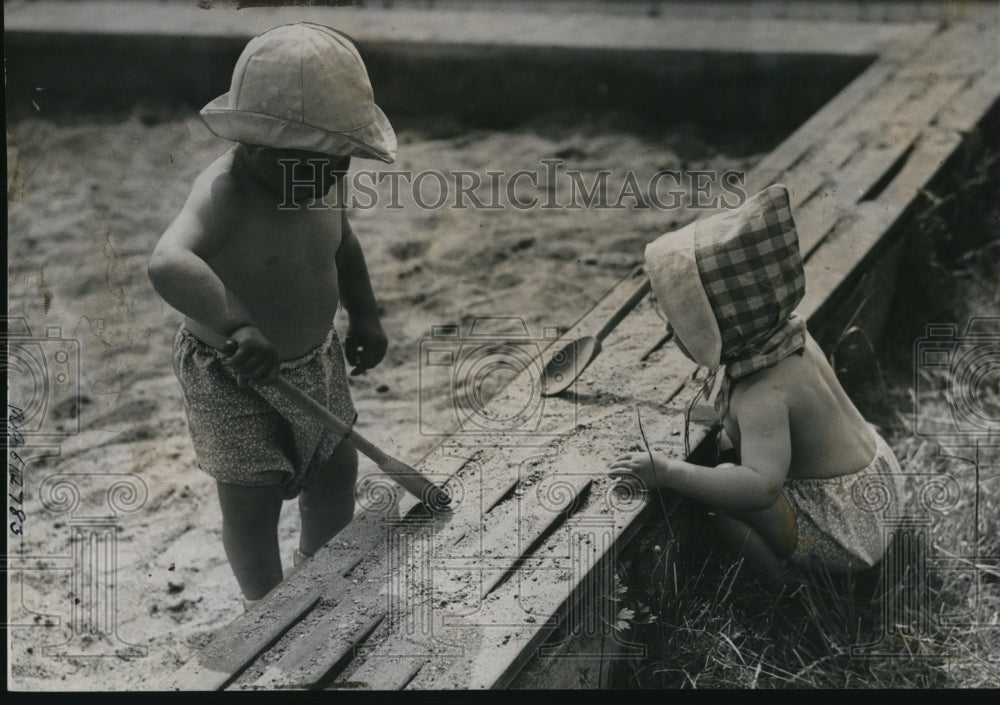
[829,436]
[279,263]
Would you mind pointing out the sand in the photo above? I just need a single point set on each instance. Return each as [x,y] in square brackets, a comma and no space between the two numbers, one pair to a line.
[87,200]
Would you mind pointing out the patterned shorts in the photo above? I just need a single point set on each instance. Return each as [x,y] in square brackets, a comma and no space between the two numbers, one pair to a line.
[252,435]
[841,521]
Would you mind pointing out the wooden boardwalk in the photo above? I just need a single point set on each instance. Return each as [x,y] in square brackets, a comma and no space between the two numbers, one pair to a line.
[406,598]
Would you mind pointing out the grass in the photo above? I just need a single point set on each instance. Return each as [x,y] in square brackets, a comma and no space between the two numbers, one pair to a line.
[716,625]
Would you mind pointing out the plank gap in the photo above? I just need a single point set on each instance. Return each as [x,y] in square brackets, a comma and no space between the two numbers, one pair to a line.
[879,186]
[351,568]
[348,655]
[575,505]
[497,502]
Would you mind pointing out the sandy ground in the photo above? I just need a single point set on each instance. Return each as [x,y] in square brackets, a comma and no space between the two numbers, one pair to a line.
[87,201]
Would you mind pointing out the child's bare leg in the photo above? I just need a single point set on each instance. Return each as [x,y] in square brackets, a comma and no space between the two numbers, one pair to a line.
[775,524]
[250,536]
[764,538]
[326,505]
[743,541]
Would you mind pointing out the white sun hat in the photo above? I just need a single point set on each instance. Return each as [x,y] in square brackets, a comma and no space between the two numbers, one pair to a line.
[303,86]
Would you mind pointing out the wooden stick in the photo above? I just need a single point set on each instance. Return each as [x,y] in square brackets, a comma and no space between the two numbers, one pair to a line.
[410,479]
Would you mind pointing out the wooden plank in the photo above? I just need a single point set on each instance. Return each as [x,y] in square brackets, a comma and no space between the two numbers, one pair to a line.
[844,134]
[229,652]
[800,144]
[857,93]
[466,572]
[978,98]
[880,94]
[846,187]
[907,44]
[468,26]
[238,644]
[243,640]
[311,655]
[803,181]
[502,636]
[590,571]
[497,653]
[953,51]
[317,658]
[595,316]
[569,663]
[908,101]
[885,142]
[506,634]
[842,142]
[526,521]
[956,101]
[838,260]
[385,673]
[923,108]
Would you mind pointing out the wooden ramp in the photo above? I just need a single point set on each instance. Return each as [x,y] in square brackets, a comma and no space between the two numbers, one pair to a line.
[523,566]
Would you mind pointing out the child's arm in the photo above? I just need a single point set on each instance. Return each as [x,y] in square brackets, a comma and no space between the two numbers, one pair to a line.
[765,450]
[182,277]
[365,343]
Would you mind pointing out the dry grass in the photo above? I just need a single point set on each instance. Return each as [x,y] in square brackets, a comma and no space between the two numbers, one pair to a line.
[718,626]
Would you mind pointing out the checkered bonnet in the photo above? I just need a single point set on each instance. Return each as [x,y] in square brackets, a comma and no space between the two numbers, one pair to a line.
[729,284]
[751,270]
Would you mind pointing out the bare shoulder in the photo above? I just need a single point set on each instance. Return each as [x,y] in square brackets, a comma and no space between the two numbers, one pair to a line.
[815,353]
[757,402]
[215,193]
[762,391]
[207,213]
